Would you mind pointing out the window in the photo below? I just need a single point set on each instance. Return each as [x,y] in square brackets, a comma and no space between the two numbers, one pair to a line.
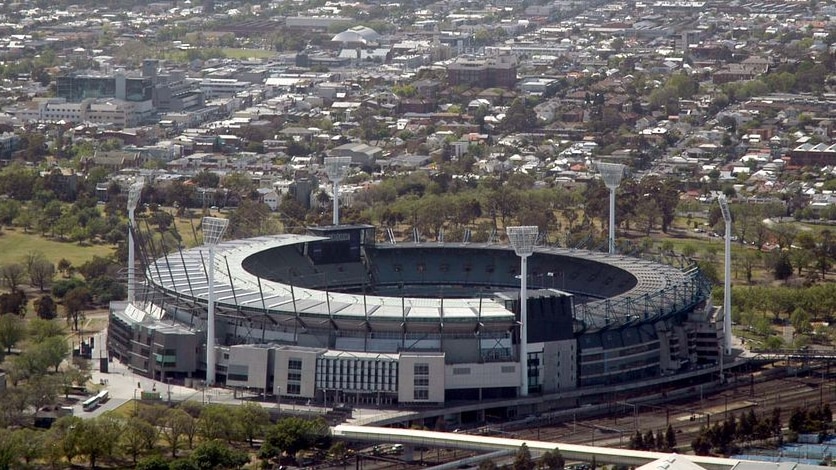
[461,371]
[421,381]
[294,389]
[294,364]
[294,376]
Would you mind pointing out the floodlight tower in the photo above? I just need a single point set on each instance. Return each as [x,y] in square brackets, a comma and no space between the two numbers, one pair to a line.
[336,168]
[523,239]
[213,230]
[727,333]
[612,174]
[133,199]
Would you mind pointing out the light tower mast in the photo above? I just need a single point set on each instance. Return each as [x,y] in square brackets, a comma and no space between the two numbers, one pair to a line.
[336,168]
[727,333]
[213,231]
[523,239]
[612,174]
[133,199]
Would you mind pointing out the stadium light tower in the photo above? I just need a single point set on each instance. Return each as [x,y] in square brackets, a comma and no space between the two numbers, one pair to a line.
[336,168]
[523,239]
[213,230]
[612,174]
[133,199]
[727,333]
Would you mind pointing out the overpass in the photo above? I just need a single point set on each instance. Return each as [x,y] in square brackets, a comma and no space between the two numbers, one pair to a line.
[602,455]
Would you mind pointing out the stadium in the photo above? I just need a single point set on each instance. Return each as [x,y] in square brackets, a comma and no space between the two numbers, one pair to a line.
[332,316]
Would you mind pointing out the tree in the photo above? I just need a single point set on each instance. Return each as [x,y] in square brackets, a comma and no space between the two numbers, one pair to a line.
[154,462]
[14,302]
[40,329]
[12,330]
[41,273]
[213,454]
[552,460]
[9,453]
[46,308]
[28,443]
[96,438]
[800,320]
[12,275]
[293,434]
[522,461]
[137,437]
[175,425]
[216,422]
[519,118]
[252,419]
[73,376]
[64,267]
[670,439]
[75,302]
[51,352]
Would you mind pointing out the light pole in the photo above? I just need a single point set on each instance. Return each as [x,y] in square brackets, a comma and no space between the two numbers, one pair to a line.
[336,168]
[612,174]
[213,230]
[727,333]
[523,239]
[133,199]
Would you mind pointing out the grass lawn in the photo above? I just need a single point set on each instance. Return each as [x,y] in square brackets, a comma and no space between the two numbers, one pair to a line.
[14,245]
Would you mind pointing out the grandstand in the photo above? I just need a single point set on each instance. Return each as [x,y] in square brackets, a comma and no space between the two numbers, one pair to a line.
[332,316]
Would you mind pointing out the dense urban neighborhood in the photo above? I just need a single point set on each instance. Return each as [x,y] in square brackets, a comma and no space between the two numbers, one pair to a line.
[430,125]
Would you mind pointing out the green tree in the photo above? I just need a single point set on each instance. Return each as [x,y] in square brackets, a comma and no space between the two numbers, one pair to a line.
[210,455]
[800,320]
[45,307]
[292,434]
[50,352]
[217,422]
[175,426]
[12,331]
[522,460]
[252,418]
[138,436]
[9,452]
[28,443]
[552,460]
[40,329]
[96,438]
[154,462]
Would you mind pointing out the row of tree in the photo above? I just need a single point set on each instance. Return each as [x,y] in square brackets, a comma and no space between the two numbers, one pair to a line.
[662,441]
[35,375]
[727,436]
[155,430]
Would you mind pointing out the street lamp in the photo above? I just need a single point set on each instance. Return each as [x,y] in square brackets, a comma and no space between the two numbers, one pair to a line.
[612,174]
[523,239]
[213,230]
[133,199]
[727,333]
[336,168]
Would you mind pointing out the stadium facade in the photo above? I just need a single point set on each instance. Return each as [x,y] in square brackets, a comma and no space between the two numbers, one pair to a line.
[333,317]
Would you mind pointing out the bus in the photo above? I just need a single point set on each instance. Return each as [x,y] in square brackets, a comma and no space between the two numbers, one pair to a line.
[93,402]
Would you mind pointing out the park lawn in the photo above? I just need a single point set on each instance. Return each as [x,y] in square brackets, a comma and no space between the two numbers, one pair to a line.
[15,244]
